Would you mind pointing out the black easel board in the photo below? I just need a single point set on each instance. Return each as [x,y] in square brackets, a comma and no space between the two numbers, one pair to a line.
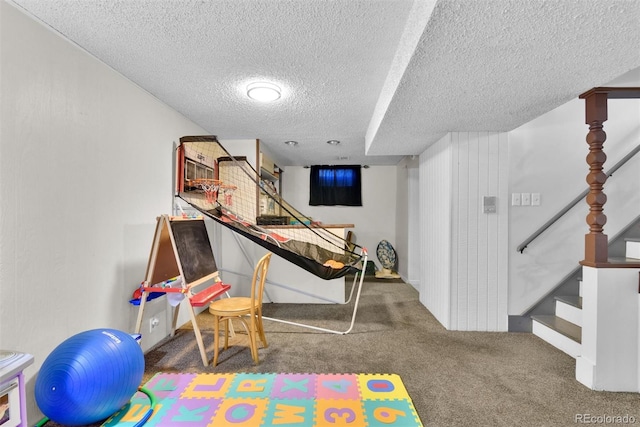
[194,249]
[181,247]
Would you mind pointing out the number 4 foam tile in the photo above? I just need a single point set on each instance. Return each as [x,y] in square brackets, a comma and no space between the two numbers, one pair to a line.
[337,386]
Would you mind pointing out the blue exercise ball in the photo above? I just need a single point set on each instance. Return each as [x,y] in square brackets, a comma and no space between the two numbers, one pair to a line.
[89,377]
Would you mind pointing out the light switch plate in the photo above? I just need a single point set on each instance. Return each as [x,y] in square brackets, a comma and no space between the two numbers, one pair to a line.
[535,199]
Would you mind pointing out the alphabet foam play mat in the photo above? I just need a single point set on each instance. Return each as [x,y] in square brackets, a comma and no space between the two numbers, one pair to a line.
[265,399]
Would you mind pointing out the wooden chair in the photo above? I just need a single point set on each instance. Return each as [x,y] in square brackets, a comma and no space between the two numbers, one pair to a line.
[224,310]
[351,237]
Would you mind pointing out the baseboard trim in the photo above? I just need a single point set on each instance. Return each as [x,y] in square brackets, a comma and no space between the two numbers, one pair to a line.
[520,324]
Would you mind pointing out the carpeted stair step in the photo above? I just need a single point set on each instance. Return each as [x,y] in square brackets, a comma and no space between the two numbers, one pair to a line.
[569,308]
[573,300]
[632,248]
[563,335]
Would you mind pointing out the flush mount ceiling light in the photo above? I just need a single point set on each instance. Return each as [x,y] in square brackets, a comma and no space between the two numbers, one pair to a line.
[333,142]
[263,91]
[291,143]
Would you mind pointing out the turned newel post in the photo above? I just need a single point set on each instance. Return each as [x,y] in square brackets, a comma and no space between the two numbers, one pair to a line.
[596,242]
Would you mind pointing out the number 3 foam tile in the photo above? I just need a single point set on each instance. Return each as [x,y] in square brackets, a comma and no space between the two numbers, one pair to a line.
[340,413]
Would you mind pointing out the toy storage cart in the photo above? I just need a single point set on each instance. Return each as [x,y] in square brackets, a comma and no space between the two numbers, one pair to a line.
[13,409]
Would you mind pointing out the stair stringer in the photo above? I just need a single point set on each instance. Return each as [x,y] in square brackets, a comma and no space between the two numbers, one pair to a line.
[569,284]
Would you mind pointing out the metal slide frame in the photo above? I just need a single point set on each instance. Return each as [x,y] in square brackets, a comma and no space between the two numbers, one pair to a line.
[359,277]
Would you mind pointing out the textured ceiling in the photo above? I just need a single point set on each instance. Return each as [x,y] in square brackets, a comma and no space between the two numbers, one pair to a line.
[387,78]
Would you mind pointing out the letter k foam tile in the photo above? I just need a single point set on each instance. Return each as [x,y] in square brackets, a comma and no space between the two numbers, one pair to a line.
[266,399]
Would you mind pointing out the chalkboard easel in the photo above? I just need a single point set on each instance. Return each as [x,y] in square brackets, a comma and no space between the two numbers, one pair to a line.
[181,256]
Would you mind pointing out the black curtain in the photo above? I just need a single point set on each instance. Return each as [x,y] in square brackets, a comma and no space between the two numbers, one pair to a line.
[335,185]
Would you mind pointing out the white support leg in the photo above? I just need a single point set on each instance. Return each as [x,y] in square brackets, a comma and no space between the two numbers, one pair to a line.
[360,278]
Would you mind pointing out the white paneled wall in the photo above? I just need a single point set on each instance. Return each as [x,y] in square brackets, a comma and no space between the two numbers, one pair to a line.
[435,239]
[464,273]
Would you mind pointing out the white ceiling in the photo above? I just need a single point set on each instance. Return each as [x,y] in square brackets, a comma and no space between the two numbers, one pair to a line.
[385,77]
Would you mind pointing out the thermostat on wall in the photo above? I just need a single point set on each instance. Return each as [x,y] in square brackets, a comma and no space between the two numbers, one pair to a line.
[489,204]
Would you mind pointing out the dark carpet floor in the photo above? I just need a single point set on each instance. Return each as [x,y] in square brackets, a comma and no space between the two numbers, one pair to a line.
[454,378]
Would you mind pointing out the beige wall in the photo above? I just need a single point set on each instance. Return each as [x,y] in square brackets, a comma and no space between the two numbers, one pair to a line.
[408,220]
[85,168]
[374,221]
